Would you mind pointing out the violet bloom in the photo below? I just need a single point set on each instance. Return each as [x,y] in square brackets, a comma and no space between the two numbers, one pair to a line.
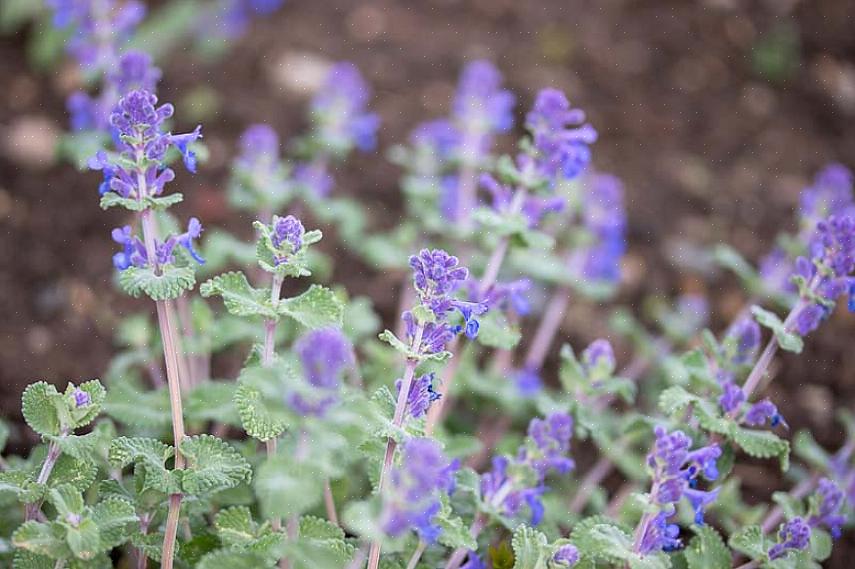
[325,355]
[832,261]
[139,173]
[763,412]
[315,178]
[598,359]
[732,398]
[742,341]
[560,137]
[481,108]
[473,562]
[604,217]
[515,484]
[566,556]
[81,398]
[286,237]
[534,208]
[339,111]
[830,501]
[421,395]
[676,471]
[412,498]
[528,382]
[435,143]
[830,194]
[259,180]
[793,536]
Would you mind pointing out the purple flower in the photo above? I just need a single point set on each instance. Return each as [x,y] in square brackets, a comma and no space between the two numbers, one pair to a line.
[794,535]
[412,498]
[315,178]
[743,339]
[287,236]
[763,412]
[776,268]
[435,337]
[439,139]
[339,110]
[135,71]
[659,535]
[325,354]
[481,108]
[81,398]
[604,218]
[599,359]
[560,136]
[182,142]
[566,556]
[436,273]
[551,443]
[830,501]
[259,142]
[528,382]
[133,251]
[473,562]
[421,395]
[194,230]
[534,208]
[830,194]
[732,398]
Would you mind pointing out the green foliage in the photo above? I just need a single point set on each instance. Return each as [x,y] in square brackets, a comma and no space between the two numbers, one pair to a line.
[239,297]
[172,282]
[786,339]
[286,487]
[112,199]
[318,307]
[212,465]
[707,550]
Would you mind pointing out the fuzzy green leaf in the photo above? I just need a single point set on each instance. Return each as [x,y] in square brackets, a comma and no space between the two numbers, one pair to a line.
[212,465]
[318,307]
[675,399]
[806,448]
[286,487]
[820,544]
[239,297]
[114,517]
[84,540]
[112,199]
[69,470]
[172,283]
[787,340]
[235,526]
[228,559]
[39,406]
[707,550]
[125,450]
[259,400]
[82,416]
[497,332]
[130,406]
[41,539]
[530,548]
[750,541]
[20,485]
[763,444]
[67,500]
[27,560]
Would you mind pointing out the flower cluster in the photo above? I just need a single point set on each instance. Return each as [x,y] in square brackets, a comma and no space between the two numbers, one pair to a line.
[481,108]
[829,501]
[324,354]
[676,472]
[826,275]
[421,395]
[436,276]
[793,536]
[339,111]
[229,19]
[515,483]
[604,218]
[560,138]
[566,556]
[286,237]
[259,176]
[134,253]
[412,499]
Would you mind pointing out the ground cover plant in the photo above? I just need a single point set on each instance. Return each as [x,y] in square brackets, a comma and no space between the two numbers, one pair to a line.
[444,441]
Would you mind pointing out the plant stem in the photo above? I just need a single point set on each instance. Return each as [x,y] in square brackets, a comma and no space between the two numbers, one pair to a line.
[759,370]
[271,447]
[53,454]
[267,354]
[417,554]
[459,554]
[329,503]
[169,339]
[553,315]
[397,420]
[491,273]
[799,492]
[602,468]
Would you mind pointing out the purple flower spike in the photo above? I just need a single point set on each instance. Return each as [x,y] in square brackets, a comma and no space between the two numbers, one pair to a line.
[81,398]
[744,335]
[194,230]
[830,194]
[340,110]
[436,273]
[830,500]
[528,382]
[599,358]
[794,535]
[732,398]
[324,354]
[287,231]
[604,217]
[566,556]
[182,142]
[764,412]
[561,136]
[412,498]
[421,395]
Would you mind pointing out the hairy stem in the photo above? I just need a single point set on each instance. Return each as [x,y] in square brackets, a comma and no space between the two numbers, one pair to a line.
[759,370]
[553,315]
[329,503]
[271,448]
[459,554]
[417,554]
[53,454]
[267,354]
[397,420]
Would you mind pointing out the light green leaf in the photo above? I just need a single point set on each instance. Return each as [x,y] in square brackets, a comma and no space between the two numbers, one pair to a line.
[69,470]
[318,307]
[235,526]
[239,297]
[790,505]
[82,447]
[212,465]
[39,405]
[286,487]
[41,539]
[259,399]
[67,500]
[228,559]
[130,406]
[497,332]
[750,541]
[114,517]
[84,540]
[820,544]
[27,560]
[674,399]
[530,548]
[763,444]
[806,448]
[21,485]
[707,550]
[787,340]
[172,283]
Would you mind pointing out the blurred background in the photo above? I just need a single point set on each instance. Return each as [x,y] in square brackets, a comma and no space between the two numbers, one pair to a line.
[715,113]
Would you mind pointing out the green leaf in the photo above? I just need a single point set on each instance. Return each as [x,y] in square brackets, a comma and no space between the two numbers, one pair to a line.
[27,560]
[820,544]
[750,541]
[763,444]
[112,199]
[41,539]
[21,485]
[454,532]
[787,340]
[790,505]
[674,399]
[313,527]
[318,307]
[497,332]
[239,297]
[286,487]
[150,456]
[39,406]
[227,559]
[69,470]
[131,406]
[530,548]
[235,526]
[707,550]
[172,283]
[212,465]
[84,540]
[67,500]
[600,538]
[213,401]
[80,447]
[259,400]
[114,517]
[806,448]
